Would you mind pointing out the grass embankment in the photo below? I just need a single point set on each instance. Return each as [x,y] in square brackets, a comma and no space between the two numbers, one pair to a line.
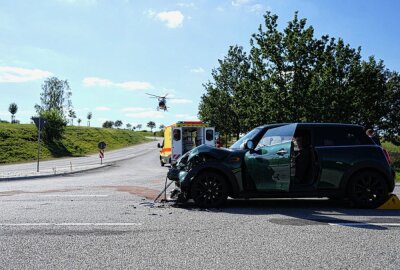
[18,142]
[394,152]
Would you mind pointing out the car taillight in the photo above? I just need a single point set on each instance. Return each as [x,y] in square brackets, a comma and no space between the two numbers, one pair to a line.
[387,156]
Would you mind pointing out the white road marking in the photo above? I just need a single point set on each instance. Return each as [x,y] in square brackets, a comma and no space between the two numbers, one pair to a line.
[67,224]
[365,224]
[73,195]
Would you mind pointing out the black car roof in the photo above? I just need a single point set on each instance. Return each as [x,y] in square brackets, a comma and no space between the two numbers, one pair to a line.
[312,125]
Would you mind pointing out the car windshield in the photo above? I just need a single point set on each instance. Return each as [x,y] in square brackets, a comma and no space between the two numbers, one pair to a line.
[249,136]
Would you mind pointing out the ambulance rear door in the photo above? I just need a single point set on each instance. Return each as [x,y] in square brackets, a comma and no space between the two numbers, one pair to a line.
[209,138]
[177,146]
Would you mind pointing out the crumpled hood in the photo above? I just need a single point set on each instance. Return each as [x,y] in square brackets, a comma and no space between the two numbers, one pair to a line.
[218,153]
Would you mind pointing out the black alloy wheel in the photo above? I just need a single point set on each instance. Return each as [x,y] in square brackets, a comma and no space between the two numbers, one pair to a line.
[368,189]
[209,189]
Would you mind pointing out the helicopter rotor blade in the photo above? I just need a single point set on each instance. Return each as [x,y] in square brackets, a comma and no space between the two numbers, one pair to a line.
[155,96]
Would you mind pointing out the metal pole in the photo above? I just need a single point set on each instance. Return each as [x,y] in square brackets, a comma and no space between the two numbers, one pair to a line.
[38,153]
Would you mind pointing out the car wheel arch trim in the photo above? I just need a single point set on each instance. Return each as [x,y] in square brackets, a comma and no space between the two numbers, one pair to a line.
[228,175]
[365,166]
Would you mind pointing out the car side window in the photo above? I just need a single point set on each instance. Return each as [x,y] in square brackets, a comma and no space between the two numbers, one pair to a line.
[277,135]
[339,136]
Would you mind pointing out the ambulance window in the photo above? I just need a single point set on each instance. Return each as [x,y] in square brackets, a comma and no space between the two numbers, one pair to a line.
[177,135]
[209,135]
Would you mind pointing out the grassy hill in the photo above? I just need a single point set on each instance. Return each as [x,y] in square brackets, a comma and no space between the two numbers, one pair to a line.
[18,143]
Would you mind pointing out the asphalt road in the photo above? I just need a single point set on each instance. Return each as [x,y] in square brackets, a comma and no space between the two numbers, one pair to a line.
[102,219]
[74,164]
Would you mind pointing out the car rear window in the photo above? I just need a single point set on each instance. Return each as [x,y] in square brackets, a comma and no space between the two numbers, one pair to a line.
[340,136]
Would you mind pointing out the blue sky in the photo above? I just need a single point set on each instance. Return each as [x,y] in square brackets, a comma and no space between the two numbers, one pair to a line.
[113,52]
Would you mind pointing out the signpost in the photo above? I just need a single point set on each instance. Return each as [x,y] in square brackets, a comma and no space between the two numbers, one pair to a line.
[102,146]
[40,123]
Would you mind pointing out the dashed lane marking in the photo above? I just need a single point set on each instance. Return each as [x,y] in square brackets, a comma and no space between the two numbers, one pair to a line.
[74,195]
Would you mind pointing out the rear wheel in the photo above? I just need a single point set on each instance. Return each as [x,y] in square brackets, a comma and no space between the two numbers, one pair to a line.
[209,189]
[368,189]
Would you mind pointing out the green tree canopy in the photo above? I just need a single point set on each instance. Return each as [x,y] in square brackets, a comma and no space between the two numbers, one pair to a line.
[118,123]
[151,125]
[290,75]
[13,108]
[108,124]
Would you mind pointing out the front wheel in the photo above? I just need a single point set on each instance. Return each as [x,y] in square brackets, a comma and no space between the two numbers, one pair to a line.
[209,189]
[368,189]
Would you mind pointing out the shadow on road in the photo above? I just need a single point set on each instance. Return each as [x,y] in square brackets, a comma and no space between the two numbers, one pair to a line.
[303,212]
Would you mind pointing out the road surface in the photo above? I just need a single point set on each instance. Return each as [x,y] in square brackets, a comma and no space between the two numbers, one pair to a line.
[102,220]
[73,164]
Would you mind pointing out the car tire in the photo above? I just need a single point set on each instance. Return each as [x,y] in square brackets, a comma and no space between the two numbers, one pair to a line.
[209,189]
[368,189]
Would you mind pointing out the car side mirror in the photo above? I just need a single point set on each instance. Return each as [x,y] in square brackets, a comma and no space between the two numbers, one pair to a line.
[158,145]
[250,145]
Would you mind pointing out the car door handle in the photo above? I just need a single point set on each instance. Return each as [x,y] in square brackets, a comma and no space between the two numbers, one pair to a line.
[281,152]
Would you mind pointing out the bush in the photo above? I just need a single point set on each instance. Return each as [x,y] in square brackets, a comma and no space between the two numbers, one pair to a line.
[55,127]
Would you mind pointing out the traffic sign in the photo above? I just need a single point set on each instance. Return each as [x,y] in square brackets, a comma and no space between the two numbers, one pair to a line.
[40,122]
[102,145]
[101,155]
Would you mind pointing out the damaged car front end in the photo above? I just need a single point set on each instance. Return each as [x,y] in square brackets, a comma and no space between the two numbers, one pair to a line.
[208,175]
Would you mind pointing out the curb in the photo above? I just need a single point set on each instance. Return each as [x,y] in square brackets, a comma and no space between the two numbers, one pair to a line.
[52,175]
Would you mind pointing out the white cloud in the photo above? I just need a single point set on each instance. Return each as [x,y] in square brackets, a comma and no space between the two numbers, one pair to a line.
[147,114]
[103,108]
[187,5]
[187,117]
[16,74]
[173,19]
[238,3]
[129,85]
[256,8]
[181,101]
[134,109]
[197,70]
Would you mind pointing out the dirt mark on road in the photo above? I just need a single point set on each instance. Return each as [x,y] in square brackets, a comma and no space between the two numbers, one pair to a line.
[148,193]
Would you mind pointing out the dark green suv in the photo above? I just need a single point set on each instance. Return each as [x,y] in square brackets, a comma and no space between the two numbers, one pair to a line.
[289,160]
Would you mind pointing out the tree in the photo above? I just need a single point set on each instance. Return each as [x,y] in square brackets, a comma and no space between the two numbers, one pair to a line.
[108,124]
[89,116]
[139,126]
[118,123]
[56,95]
[161,127]
[13,108]
[128,126]
[151,125]
[56,123]
[55,101]
[290,75]
[79,121]
[72,116]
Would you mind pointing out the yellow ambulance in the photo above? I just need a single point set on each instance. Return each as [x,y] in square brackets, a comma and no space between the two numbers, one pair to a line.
[182,137]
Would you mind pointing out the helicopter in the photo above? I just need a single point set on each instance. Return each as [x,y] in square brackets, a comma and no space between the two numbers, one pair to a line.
[162,101]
